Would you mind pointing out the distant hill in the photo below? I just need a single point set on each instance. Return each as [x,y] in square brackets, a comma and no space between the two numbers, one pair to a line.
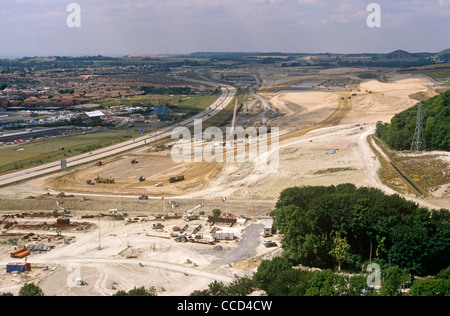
[444,55]
[400,132]
[400,54]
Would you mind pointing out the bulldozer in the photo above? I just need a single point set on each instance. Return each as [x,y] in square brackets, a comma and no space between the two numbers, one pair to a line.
[105,181]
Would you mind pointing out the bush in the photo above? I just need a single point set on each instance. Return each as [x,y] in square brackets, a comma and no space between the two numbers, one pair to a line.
[31,290]
[142,291]
[430,287]
[240,287]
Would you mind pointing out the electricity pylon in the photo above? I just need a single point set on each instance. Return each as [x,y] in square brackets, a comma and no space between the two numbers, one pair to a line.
[418,143]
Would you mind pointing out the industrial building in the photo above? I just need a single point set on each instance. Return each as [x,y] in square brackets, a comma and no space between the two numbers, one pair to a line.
[268,228]
[28,133]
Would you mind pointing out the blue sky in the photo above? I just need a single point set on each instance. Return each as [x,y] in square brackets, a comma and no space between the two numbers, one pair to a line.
[146,27]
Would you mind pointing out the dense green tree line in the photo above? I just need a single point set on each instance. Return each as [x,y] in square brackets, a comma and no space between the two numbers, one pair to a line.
[400,132]
[277,277]
[375,226]
[167,90]
[325,227]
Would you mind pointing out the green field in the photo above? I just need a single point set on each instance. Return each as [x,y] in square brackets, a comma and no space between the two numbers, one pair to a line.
[45,151]
[48,150]
[179,103]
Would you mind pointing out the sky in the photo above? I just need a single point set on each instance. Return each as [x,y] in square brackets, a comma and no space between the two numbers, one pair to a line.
[152,27]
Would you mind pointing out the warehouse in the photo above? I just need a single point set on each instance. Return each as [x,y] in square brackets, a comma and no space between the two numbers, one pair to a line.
[28,134]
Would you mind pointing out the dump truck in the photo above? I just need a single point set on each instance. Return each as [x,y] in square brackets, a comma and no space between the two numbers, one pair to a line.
[105,181]
[176,179]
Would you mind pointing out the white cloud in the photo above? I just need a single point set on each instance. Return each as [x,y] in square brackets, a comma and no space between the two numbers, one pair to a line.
[159,26]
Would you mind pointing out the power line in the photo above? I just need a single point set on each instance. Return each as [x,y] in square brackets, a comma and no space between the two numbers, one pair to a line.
[418,143]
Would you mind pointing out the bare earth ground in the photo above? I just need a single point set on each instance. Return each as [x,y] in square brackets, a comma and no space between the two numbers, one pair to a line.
[312,123]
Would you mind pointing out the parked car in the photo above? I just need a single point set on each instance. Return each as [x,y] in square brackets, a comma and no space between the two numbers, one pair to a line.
[269,244]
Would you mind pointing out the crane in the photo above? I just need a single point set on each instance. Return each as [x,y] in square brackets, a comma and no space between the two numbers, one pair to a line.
[190,214]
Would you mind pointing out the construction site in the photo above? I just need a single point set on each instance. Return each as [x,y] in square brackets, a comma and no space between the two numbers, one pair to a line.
[130,249]
[141,219]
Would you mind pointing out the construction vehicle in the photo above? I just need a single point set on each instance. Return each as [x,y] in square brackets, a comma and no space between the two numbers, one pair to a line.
[90,182]
[158,226]
[269,243]
[141,179]
[181,238]
[105,181]
[190,215]
[176,179]
[184,229]
[197,229]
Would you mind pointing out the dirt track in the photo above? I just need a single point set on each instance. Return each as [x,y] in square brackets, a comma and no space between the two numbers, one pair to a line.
[155,168]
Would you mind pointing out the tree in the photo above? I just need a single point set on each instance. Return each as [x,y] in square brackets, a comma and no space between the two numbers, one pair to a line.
[399,133]
[409,244]
[394,229]
[325,283]
[341,249]
[430,287]
[440,286]
[216,212]
[357,286]
[142,291]
[288,283]
[444,274]
[240,287]
[31,290]
[268,270]
[394,277]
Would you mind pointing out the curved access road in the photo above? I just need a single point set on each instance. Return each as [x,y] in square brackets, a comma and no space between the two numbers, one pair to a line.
[228,93]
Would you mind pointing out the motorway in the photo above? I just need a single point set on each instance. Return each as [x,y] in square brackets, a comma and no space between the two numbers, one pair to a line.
[228,93]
